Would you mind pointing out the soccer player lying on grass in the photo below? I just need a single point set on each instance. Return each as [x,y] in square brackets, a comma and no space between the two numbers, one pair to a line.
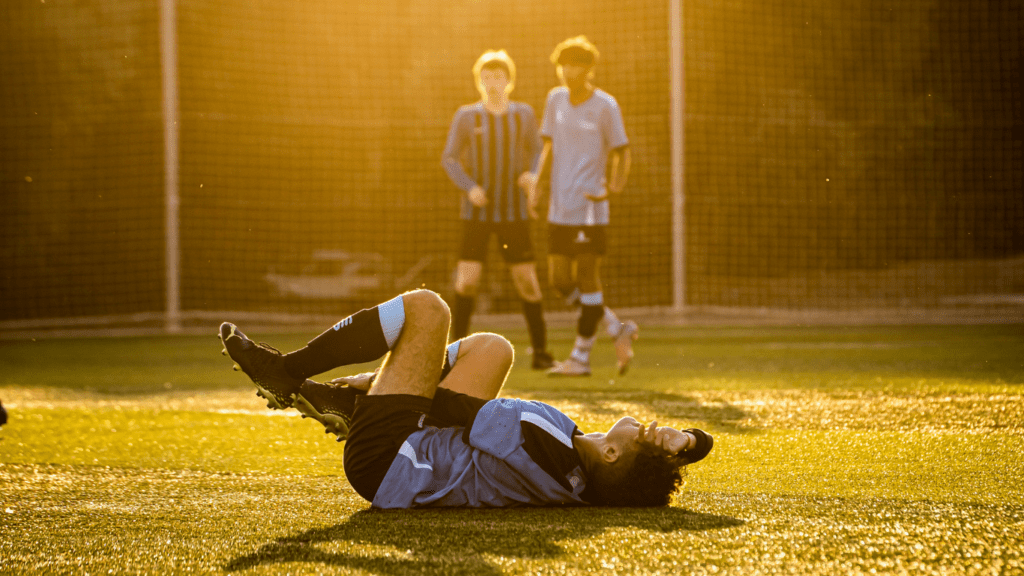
[426,429]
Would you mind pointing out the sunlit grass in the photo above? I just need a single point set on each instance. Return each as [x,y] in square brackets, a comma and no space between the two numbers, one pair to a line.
[837,451]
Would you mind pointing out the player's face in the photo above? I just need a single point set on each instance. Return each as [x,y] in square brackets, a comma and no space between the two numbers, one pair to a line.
[574,75]
[625,434]
[493,83]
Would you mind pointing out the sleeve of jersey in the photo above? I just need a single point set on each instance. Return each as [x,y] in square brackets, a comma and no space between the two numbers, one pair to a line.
[614,127]
[458,136]
[534,438]
[547,127]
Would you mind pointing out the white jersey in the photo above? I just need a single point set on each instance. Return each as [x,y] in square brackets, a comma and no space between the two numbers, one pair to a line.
[581,138]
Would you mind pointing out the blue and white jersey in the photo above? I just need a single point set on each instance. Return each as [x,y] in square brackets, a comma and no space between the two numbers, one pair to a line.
[581,138]
[496,150]
[513,453]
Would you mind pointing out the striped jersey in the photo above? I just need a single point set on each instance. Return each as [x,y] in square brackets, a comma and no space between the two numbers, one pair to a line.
[512,453]
[491,151]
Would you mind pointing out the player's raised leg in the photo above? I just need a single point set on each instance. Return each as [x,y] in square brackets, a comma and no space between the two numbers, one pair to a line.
[362,337]
[475,369]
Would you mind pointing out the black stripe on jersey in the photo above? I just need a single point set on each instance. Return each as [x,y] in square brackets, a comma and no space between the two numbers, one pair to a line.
[493,187]
[515,185]
[506,169]
[555,458]
[479,161]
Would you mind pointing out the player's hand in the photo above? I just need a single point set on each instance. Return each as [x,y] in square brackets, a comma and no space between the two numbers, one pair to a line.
[528,182]
[667,440]
[358,381]
[478,197]
[596,197]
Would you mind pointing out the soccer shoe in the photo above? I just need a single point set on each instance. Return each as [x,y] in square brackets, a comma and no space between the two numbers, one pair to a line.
[571,367]
[624,344]
[542,361]
[263,364]
[329,404]
[3,415]
[705,442]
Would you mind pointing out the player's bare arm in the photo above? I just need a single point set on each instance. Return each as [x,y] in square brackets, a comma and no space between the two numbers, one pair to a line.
[535,192]
[619,161]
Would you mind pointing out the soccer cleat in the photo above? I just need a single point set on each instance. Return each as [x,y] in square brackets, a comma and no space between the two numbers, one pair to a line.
[705,442]
[542,361]
[624,344]
[263,364]
[571,367]
[328,404]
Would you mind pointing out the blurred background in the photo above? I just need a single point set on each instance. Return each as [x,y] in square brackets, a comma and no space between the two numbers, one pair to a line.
[840,157]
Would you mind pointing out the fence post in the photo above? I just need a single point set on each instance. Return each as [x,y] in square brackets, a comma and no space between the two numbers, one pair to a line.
[169,72]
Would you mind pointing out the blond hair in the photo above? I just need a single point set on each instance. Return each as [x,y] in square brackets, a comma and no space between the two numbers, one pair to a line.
[495,59]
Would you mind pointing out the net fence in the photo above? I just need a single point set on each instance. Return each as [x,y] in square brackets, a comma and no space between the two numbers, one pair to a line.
[837,157]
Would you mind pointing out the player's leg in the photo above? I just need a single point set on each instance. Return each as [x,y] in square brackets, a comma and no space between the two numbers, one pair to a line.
[517,250]
[481,365]
[362,337]
[595,309]
[474,370]
[591,312]
[467,281]
[413,366]
[560,274]
[473,251]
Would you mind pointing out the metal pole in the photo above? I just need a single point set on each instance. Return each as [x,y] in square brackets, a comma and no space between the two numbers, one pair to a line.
[169,68]
[677,120]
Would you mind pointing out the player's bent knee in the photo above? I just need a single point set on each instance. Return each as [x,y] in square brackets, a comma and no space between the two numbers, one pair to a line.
[427,306]
[500,350]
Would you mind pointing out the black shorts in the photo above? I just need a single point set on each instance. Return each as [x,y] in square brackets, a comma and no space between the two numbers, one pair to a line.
[381,424]
[574,240]
[513,241]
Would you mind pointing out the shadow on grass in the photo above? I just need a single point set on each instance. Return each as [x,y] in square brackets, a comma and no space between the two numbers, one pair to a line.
[456,540]
[721,415]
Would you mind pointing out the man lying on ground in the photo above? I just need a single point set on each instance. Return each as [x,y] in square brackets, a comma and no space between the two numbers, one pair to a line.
[427,428]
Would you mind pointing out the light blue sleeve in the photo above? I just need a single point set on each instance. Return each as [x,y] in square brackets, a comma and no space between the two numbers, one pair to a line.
[459,135]
[496,429]
[612,126]
[547,127]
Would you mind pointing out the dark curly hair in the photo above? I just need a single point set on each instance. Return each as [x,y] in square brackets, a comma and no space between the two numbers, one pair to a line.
[649,480]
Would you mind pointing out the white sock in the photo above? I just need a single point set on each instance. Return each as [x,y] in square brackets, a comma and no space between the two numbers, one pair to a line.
[581,351]
[612,323]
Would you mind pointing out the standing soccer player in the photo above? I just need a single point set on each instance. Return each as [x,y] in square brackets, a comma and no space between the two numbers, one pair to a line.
[501,139]
[587,152]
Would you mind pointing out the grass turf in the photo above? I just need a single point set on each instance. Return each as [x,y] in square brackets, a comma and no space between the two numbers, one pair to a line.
[838,451]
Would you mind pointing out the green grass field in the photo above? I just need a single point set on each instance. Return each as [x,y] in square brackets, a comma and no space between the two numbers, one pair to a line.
[838,451]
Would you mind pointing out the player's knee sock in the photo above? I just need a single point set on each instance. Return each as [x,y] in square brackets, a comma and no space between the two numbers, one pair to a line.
[581,350]
[451,354]
[612,323]
[534,313]
[460,317]
[591,314]
[362,337]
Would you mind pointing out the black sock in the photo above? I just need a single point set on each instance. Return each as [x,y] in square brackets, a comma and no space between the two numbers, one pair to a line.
[534,313]
[362,337]
[590,317]
[460,317]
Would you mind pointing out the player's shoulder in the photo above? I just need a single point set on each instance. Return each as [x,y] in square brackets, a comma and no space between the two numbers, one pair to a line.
[558,92]
[605,98]
[469,109]
[520,107]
